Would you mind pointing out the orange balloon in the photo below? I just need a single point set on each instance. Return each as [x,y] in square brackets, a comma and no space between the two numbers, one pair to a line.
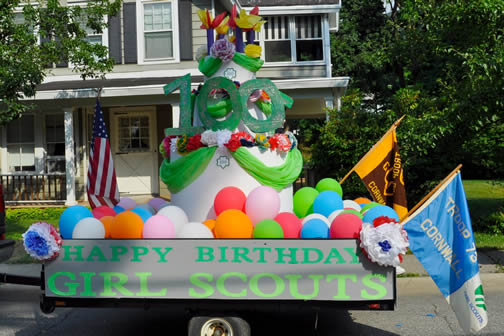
[127,225]
[362,200]
[107,223]
[210,223]
[233,223]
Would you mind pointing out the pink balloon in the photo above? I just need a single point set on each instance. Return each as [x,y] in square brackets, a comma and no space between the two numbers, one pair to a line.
[346,225]
[158,227]
[290,223]
[103,211]
[262,203]
[156,203]
[127,203]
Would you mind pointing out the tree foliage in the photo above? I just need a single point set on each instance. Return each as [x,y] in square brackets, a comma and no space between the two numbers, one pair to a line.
[33,37]
[441,63]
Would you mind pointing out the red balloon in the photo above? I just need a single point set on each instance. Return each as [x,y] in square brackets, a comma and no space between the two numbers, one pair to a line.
[229,198]
[346,225]
[103,211]
[290,223]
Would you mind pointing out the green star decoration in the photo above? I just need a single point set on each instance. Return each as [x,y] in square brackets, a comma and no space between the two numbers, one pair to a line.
[223,162]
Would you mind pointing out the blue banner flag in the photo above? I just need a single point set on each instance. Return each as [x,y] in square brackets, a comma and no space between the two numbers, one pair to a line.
[441,237]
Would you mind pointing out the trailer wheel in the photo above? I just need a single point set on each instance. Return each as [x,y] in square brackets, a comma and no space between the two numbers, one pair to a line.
[218,326]
[47,307]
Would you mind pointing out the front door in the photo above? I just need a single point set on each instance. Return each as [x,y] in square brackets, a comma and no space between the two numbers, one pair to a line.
[135,152]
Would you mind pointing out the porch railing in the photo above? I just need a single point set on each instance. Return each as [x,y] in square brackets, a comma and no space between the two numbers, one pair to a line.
[307,178]
[34,188]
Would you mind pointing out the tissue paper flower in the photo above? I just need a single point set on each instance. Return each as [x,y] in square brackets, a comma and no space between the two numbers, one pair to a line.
[42,241]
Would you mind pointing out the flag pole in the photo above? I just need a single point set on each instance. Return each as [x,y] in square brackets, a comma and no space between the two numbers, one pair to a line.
[393,127]
[433,191]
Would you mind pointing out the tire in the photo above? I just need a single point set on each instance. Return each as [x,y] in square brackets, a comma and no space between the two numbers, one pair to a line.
[218,326]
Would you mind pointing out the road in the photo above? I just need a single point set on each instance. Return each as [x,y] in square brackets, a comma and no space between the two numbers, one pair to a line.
[420,310]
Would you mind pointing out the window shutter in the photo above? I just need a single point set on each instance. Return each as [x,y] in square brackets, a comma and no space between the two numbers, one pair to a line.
[114,38]
[130,33]
[185,30]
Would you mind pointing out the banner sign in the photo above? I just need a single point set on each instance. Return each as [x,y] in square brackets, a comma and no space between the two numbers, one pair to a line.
[252,269]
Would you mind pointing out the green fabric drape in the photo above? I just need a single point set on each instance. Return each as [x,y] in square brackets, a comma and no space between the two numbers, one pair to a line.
[249,63]
[277,177]
[182,172]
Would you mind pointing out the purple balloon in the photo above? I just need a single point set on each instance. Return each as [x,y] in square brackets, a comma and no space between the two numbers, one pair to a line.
[127,203]
[158,227]
[156,203]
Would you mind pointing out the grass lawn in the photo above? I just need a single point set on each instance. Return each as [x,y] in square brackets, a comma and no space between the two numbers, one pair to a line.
[484,197]
[15,229]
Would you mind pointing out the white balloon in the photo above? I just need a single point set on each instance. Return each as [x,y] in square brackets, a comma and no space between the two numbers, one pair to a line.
[333,215]
[349,204]
[177,216]
[317,216]
[89,228]
[194,230]
[147,207]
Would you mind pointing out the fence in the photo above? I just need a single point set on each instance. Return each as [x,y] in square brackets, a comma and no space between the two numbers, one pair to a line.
[36,188]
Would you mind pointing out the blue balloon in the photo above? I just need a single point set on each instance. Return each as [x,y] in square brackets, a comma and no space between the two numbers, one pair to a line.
[378,211]
[146,207]
[70,217]
[315,228]
[327,202]
[118,209]
[144,214]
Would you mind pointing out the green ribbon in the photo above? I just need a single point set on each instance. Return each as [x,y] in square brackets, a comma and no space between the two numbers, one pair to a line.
[277,177]
[185,170]
[249,63]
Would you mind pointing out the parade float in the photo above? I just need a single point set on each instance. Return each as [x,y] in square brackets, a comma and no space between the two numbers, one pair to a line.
[234,237]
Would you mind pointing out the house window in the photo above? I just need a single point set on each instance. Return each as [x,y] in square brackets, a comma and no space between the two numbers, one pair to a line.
[55,143]
[134,134]
[293,39]
[21,144]
[157,37]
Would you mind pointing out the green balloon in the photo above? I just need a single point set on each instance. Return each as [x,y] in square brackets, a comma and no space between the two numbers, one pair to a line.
[329,184]
[368,206]
[267,228]
[355,212]
[303,201]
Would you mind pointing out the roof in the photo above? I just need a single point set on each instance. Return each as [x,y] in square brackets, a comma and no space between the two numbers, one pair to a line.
[266,3]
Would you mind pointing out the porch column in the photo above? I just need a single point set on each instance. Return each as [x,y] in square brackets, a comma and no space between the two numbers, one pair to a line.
[175,115]
[329,104]
[69,157]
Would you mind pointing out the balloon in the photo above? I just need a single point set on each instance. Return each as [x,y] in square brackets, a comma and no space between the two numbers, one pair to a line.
[362,200]
[329,184]
[89,228]
[118,209]
[229,198]
[378,211]
[355,212]
[156,203]
[107,224]
[290,223]
[346,225]
[195,230]
[127,225]
[146,207]
[326,202]
[303,201]
[333,215]
[176,215]
[101,211]
[315,228]
[158,226]
[267,228]
[233,223]
[144,214]
[127,203]
[318,216]
[262,203]
[70,217]
[368,206]
[351,204]
[210,223]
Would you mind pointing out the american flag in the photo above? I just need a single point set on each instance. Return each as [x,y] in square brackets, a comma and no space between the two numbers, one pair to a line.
[102,183]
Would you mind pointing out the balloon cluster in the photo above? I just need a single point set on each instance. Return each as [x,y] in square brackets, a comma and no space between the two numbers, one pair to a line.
[129,220]
[325,214]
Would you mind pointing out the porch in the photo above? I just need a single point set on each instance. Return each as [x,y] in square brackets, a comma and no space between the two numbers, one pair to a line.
[22,189]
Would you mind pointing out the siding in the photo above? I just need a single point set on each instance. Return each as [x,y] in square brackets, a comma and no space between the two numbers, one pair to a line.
[294,71]
[198,34]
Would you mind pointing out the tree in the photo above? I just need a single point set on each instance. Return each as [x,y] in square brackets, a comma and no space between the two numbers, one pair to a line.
[62,32]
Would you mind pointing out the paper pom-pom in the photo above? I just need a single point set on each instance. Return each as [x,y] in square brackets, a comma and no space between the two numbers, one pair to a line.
[223,137]
[194,143]
[223,49]
[209,138]
[253,50]
[385,243]
[42,241]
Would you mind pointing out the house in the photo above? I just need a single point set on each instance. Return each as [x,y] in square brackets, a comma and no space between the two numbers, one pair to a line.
[44,155]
